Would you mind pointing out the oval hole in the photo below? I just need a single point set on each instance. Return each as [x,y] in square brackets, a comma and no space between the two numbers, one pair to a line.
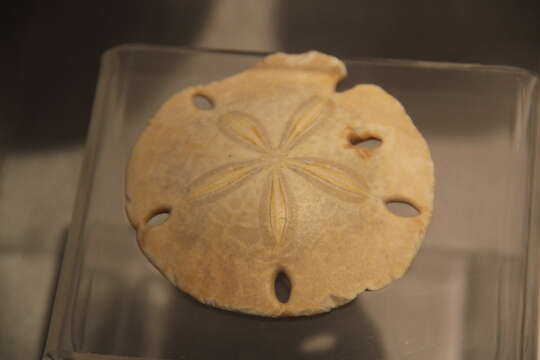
[158,218]
[202,102]
[402,208]
[282,287]
[369,143]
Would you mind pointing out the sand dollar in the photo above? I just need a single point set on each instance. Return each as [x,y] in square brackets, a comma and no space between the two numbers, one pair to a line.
[276,177]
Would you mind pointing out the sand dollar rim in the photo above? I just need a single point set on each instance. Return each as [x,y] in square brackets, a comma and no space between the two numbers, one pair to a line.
[277,195]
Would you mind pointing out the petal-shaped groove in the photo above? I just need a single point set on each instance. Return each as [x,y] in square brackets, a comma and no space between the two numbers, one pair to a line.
[245,129]
[277,207]
[341,181]
[222,179]
[304,119]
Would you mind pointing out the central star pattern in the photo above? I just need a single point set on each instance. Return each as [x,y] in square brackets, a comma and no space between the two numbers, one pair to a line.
[276,200]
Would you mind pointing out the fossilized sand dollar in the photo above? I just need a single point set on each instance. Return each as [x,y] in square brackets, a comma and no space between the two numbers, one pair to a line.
[269,181]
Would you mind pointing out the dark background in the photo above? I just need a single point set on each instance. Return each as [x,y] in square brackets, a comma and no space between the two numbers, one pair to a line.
[50,61]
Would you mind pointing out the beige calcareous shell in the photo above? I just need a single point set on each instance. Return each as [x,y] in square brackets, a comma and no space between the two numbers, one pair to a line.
[268,181]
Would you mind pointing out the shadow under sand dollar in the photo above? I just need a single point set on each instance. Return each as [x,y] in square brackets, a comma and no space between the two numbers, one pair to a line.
[166,323]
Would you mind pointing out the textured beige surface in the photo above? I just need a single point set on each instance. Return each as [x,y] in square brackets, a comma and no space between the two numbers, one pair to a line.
[268,181]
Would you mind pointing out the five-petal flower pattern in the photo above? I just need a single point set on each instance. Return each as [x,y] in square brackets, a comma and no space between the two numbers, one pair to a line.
[275,207]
